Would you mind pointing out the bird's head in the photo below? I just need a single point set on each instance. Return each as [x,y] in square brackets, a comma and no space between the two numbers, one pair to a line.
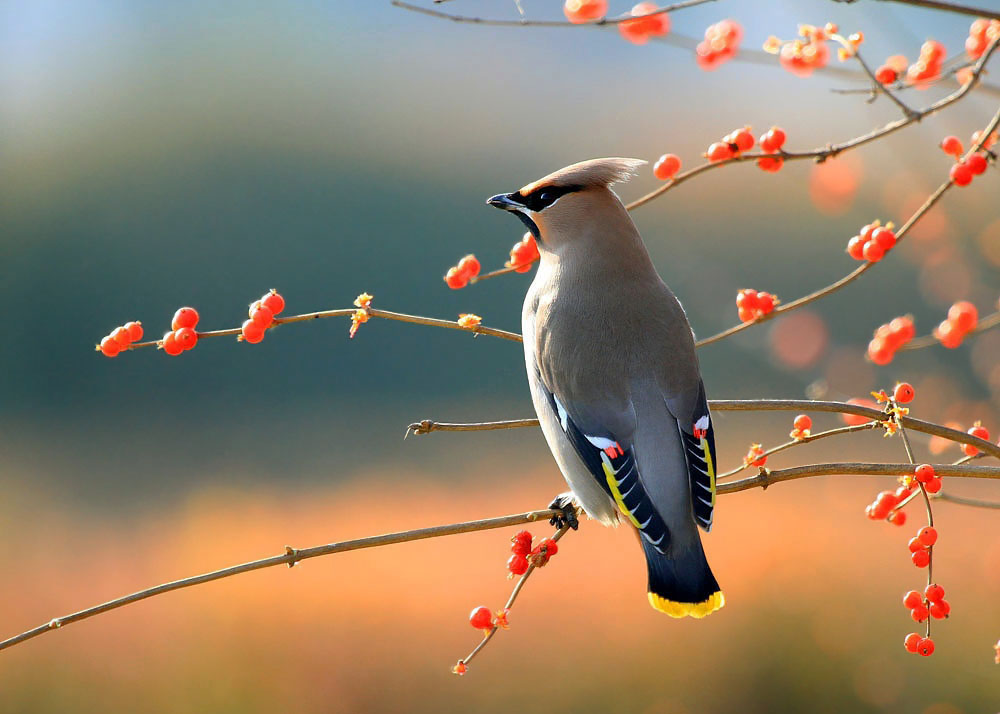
[570,201]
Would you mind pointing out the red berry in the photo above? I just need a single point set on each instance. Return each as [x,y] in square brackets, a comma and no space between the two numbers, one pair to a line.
[928,535]
[743,139]
[455,278]
[481,618]
[903,393]
[911,642]
[521,543]
[273,302]
[252,332]
[773,140]
[952,146]
[977,430]
[884,237]
[940,609]
[912,599]
[469,266]
[186,338]
[919,613]
[109,347]
[802,422]
[924,473]
[747,298]
[765,302]
[921,558]
[933,486]
[964,315]
[719,152]
[666,166]
[897,518]
[961,174]
[934,592]
[462,668]
[170,345]
[134,331]
[517,564]
[548,545]
[866,232]
[581,11]
[771,164]
[925,648]
[873,252]
[976,163]
[915,545]
[184,317]
[261,315]
[856,247]
[886,74]
[120,335]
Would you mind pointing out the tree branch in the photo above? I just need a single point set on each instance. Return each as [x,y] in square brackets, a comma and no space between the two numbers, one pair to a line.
[524,22]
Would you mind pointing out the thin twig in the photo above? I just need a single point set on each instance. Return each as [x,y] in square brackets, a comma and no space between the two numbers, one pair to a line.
[290,557]
[986,323]
[604,21]
[488,635]
[860,270]
[868,426]
[768,477]
[951,7]
[965,500]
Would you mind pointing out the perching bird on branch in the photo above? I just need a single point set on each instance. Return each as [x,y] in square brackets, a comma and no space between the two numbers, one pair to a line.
[615,380]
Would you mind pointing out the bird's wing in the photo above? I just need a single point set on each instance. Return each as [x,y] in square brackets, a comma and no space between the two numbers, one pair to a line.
[611,460]
[698,435]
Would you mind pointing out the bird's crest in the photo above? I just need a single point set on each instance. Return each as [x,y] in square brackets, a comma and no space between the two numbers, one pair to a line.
[594,172]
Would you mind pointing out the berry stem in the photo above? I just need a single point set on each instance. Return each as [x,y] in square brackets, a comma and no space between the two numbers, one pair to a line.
[510,601]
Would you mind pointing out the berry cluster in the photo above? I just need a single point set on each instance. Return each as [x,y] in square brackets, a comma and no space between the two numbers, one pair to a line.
[920,545]
[752,305]
[523,254]
[872,242]
[666,167]
[962,173]
[800,427]
[771,143]
[182,337]
[639,31]
[962,319]
[884,507]
[890,337]
[977,430]
[755,456]
[262,314]
[981,33]
[120,338]
[524,555]
[721,42]
[805,54]
[458,276]
[927,68]
[733,144]
[583,11]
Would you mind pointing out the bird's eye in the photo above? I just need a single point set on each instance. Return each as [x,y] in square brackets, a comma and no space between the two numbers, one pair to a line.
[546,198]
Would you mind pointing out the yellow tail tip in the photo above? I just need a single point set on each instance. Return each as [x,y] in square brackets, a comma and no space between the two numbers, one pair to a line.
[696,610]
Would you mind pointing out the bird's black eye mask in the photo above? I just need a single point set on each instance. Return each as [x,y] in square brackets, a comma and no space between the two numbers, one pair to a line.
[543,197]
[536,201]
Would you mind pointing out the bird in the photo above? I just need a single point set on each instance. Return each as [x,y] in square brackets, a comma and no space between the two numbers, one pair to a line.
[614,379]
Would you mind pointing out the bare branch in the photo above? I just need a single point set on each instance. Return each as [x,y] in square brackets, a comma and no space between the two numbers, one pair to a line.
[524,22]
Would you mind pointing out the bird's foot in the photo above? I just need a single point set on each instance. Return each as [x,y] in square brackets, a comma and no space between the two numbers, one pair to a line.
[567,512]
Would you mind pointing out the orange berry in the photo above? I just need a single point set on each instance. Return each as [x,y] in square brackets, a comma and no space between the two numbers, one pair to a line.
[273,302]
[928,535]
[924,473]
[925,648]
[170,345]
[455,278]
[666,166]
[184,317]
[252,332]
[481,618]
[903,393]
[469,266]
[911,642]
[186,338]
[261,315]
[134,331]
[802,422]
[110,347]
[581,11]
[963,315]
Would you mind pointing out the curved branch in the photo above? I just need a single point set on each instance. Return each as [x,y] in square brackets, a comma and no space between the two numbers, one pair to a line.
[986,323]
[290,558]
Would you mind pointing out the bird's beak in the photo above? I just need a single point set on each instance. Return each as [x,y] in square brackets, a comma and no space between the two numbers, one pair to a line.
[505,201]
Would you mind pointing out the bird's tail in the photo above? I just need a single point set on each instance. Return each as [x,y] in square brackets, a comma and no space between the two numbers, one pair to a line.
[682,586]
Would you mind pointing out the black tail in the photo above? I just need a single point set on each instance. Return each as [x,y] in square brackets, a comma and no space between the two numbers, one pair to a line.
[682,586]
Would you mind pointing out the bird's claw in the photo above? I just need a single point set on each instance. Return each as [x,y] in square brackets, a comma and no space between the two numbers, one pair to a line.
[567,512]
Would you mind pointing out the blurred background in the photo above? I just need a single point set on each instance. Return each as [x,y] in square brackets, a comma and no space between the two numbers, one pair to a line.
[154,155]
